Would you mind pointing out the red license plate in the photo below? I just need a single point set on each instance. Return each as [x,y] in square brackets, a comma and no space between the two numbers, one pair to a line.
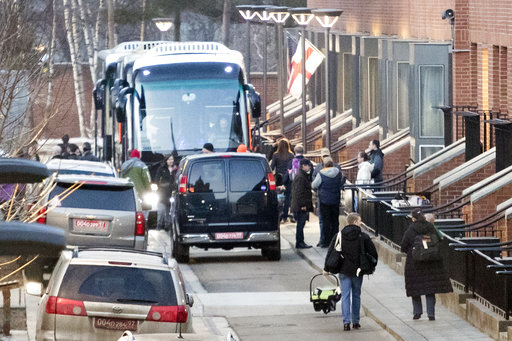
[229,235]
[115,324]
[90,226]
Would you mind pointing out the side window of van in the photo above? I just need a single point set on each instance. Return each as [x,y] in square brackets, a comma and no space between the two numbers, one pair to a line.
[207,177]
[247,175]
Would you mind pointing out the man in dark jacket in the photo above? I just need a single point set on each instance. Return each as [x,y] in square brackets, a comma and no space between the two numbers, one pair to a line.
[351,279]
[423,278]
[328,182]
[302,202]
[377,159]
[88,155]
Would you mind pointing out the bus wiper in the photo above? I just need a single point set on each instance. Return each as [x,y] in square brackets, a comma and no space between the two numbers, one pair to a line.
[172,137]
[123,300]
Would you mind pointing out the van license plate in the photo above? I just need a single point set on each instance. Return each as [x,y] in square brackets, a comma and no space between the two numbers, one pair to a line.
[115,324]
[229,235]
[90,226]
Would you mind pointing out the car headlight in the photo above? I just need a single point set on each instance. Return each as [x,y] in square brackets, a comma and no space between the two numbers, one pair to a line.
[151,198]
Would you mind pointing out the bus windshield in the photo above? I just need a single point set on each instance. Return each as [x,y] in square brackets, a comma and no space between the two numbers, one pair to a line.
[183,106]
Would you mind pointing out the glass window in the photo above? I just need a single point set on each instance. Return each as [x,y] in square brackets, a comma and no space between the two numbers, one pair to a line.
[207,177]
[389,97]
[373,83]
[246,176]
[118,285]
[96,197]
[426,151]
[347,81]
[431,94]
[402,96]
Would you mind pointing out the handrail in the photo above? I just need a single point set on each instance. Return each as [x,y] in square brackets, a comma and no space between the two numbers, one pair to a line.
[484,222]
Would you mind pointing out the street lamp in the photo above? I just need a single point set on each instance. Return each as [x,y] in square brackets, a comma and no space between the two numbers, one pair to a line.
[247,12]
[327,18]
[303,17]
[163,25]
[279,16]
[263,13]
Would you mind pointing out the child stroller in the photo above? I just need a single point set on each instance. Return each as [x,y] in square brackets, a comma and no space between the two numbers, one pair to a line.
[325,298]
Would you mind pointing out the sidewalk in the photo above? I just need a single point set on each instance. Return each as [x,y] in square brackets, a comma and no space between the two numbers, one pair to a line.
[384,299]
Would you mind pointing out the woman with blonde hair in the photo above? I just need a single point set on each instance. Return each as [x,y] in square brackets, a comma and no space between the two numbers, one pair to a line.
[279,166]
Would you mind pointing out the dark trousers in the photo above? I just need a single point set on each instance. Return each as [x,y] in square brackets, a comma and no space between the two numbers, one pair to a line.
[330,215]
[301,217]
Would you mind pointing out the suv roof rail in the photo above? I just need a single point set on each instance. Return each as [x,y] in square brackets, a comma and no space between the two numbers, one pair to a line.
[77,249]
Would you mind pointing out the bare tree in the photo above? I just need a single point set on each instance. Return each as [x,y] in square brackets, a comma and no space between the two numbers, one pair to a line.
[70,19]
[226,22]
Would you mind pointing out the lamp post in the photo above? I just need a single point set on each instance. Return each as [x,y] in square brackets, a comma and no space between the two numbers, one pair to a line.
[163,25]
[264,16]
[327,18]
[247,12]
[303,17]
[279,16]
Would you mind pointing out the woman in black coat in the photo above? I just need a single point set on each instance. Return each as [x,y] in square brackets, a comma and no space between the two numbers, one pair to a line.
[279,164]
[423,278]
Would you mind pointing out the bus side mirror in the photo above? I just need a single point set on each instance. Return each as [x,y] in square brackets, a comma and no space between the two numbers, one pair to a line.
[121,103]
[99,94]
[254,100]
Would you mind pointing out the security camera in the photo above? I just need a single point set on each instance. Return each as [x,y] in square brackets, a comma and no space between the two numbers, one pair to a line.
[448,14]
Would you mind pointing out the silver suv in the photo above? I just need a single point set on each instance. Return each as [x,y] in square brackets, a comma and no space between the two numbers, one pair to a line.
[96,211]
[94,294]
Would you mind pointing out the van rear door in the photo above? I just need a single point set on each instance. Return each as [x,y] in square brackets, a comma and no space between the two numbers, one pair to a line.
[252,204]
[205,206]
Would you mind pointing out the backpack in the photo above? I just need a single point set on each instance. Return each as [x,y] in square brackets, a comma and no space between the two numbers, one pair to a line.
[292,172]
[367,263]
[425,248]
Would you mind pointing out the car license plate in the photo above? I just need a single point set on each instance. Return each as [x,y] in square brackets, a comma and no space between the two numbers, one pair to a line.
[229,235]
[90,226]
[115,324]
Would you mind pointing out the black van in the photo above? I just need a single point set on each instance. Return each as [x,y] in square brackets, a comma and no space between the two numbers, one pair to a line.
[225,200]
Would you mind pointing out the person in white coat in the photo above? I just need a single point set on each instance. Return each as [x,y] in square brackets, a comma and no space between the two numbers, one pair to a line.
[364,174]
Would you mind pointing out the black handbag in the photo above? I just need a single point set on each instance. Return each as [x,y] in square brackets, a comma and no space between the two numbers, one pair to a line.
[367,262]
[334,260]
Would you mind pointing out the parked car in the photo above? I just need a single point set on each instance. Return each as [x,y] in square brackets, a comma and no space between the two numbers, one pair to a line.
[95,293]
[96,211]
[225,200]
[65,166]
[129,336]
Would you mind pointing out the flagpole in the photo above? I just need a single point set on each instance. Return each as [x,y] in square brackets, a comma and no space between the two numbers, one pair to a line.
[303,46]
[303,16]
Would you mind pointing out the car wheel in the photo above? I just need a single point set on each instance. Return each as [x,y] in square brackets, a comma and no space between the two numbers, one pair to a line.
[272,252]
[181,252]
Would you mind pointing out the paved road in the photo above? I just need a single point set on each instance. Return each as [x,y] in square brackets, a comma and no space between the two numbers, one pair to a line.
[265,300]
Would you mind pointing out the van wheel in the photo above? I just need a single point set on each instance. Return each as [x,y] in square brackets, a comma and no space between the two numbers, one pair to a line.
[181,252]
[272,252]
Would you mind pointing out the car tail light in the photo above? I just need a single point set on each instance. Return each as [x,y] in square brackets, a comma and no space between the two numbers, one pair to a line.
[64,306]
[42,216]
[140,224]
[271,182]
[178,314]
[183,184]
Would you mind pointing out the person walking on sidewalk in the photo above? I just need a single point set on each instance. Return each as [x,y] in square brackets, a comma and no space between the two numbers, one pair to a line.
[302,202]
[329,183]
[279,164]
[423,278]
[351,279]
[138,173]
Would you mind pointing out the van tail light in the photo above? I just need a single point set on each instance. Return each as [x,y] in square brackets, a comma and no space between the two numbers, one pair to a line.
[64,306]
[271,182]
[183,184]
[177,314]
[140,224]
[42,215]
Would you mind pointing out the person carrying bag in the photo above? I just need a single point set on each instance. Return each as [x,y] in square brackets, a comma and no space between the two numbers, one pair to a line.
[350,245]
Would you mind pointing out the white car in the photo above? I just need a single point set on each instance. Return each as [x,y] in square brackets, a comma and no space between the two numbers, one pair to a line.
[128,336]
[65,166]
[96,293]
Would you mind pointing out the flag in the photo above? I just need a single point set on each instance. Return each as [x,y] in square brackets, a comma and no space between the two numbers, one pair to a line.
[313,59]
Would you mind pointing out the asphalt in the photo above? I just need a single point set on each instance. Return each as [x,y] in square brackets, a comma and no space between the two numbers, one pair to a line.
[383,299]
